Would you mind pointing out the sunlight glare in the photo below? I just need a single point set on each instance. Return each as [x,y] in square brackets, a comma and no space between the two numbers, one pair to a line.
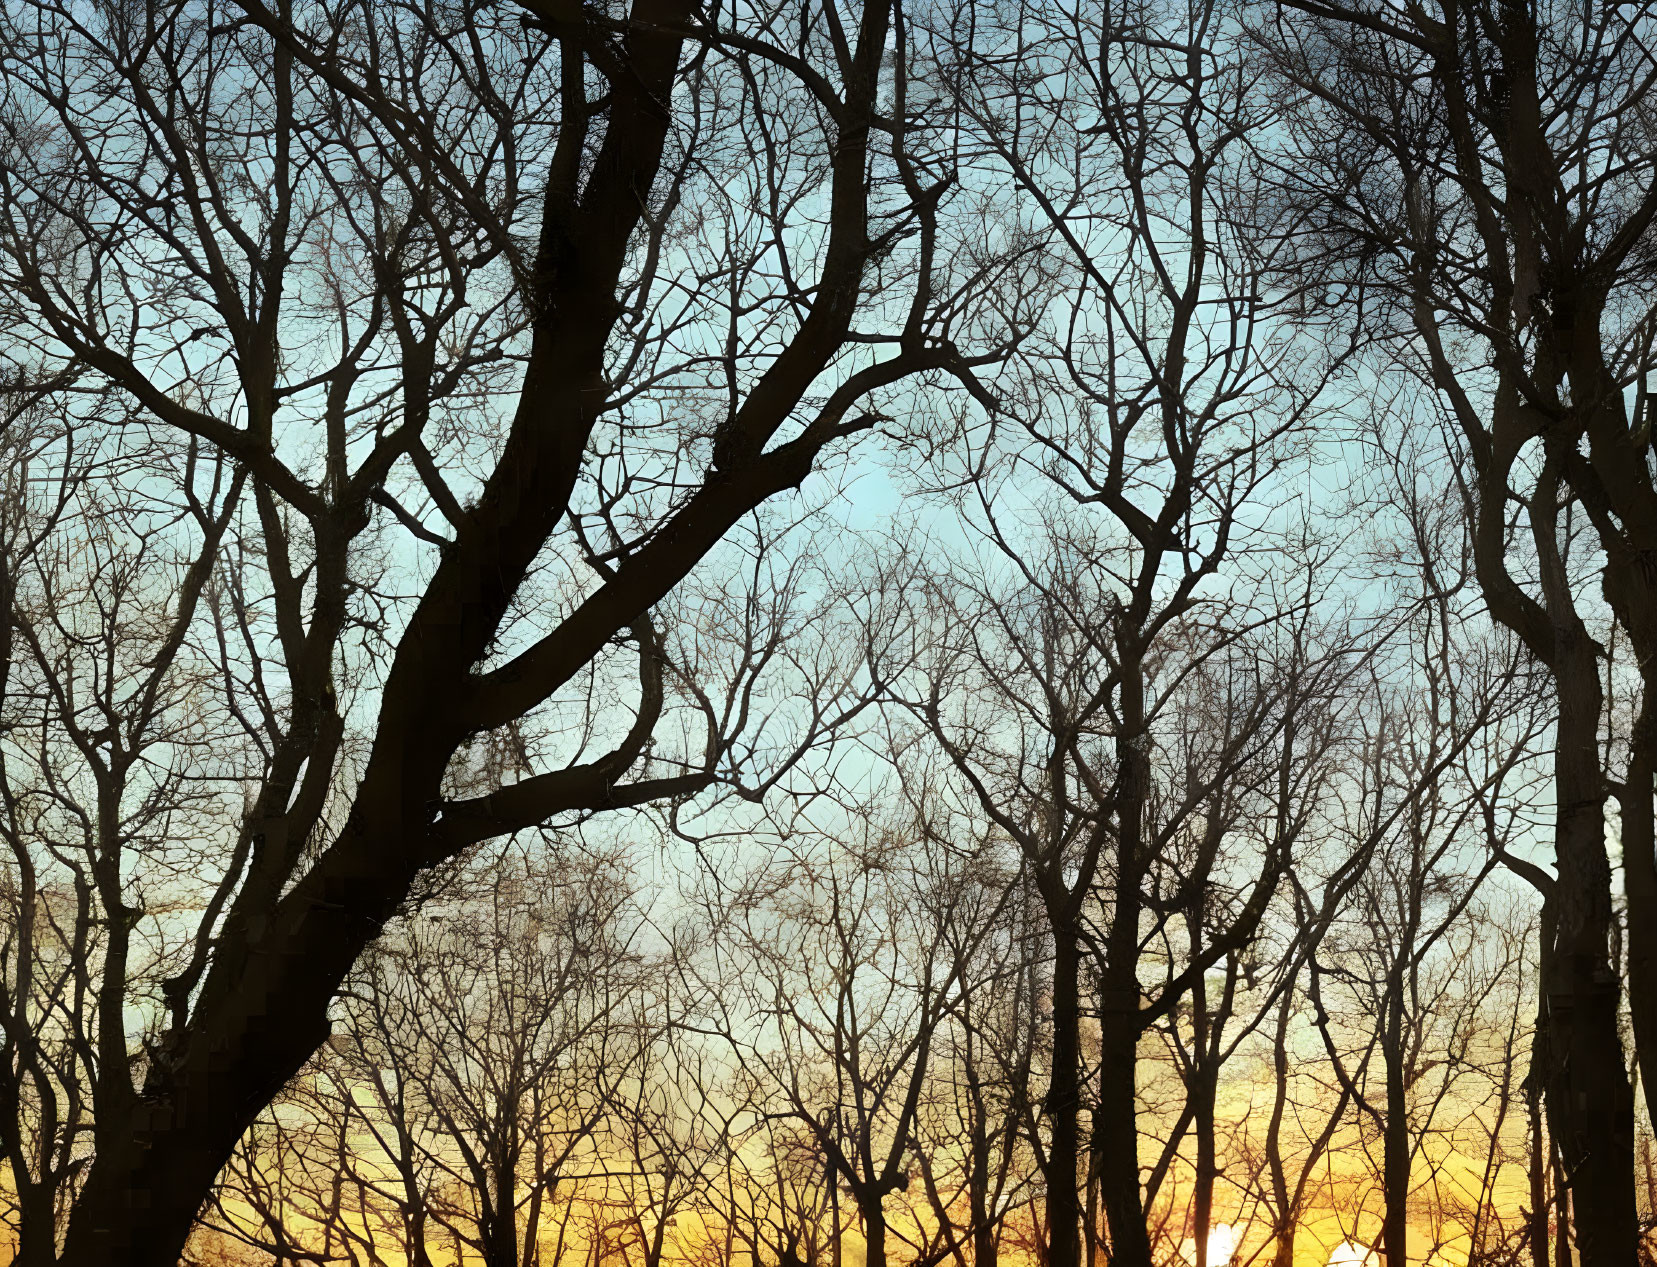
[1222,1245]
[1352,1254]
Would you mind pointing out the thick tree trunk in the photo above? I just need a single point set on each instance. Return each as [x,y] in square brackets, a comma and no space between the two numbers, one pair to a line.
[874,1232]
[139,1205]
[1589,1100]
[262,1009]
[1118,1144]
[36,1228]
[500,1223]
[269,1013]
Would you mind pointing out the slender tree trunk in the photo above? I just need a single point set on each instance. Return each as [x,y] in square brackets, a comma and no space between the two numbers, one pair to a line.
[1396,1142]
[1538,1160]
[1639,849]
[1648,1164]
[1204,1088]
[978,1183]
[414,1200]
[1117,1120]
[1093,1243]
[1562,1210]
[419,1253]
[1284,1220]
[1064,1100]
[836,1240]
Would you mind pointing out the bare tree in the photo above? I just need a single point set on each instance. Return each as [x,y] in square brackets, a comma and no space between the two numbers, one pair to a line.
[463,334]
[470,1082]
[673,1119]
[786,1211]
[1399,949]
[1299,1132]
[977,1133]
[848,966]
[1482,178]
[416,424]
[105,757]
[1161,405]
[1021,698]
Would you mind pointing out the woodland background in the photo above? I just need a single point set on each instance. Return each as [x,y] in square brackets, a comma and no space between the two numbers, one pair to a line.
[826,632]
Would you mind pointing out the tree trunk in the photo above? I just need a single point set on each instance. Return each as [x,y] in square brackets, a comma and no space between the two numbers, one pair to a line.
[1118,1142]
[1396,1142]
[140,1202]
[36,1228]
[1283,1225]
[1562,1210]
[836,1240]
[499,1221]
[1538,1160]
[419,1253]
[1284,1255]
[1117,1125]
[1639,848]
[1094,1248]
[874,1232]
[1589,1100]
[1064,1214]
[1202,1092]
[1204,1080]
[978,1184]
